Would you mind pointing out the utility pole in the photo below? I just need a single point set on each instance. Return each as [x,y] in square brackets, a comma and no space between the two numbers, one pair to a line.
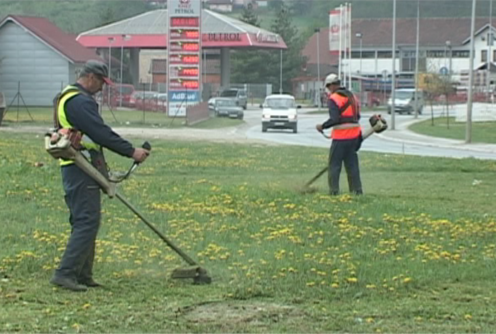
[341,43]
[111,40]
[359,36]
[417,54]
[489,55]
[318,66]
[393,78]
[124,38]
[468,129]
[280,74]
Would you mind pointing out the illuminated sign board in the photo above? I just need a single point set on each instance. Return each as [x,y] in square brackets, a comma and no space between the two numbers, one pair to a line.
[185,22]
[184,84]
[193,46]
[184,59]
[179,71]
[184,55]
[183,34]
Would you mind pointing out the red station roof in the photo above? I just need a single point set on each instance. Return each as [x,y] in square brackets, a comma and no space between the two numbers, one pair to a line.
[149,30]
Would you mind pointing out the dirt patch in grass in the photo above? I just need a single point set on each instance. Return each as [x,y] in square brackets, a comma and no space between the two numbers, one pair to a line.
[235,313]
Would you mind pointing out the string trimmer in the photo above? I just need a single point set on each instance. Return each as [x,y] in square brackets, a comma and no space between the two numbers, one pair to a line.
[377,125]
[59,146]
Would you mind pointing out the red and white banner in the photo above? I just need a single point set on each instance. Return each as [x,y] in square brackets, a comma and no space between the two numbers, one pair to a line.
[339,29]
[334,31]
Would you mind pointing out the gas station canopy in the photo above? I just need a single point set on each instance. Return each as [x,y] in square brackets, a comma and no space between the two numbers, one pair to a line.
[149,31]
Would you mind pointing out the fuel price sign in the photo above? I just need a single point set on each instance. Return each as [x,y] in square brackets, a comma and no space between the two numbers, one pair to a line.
[179,71]
[184,56]
[184,59]
[184,84]
[184,34]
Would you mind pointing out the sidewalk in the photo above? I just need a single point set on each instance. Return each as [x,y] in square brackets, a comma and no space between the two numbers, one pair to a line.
[401,134]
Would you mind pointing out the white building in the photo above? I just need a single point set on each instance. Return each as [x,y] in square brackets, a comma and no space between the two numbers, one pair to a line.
[444,47]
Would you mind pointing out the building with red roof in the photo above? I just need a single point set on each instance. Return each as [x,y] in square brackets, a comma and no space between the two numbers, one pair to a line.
[39,57]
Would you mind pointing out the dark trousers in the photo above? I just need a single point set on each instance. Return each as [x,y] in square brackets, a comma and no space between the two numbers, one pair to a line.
[344,151]
[82,196]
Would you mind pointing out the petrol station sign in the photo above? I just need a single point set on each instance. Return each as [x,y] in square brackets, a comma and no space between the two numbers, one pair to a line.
[184,55]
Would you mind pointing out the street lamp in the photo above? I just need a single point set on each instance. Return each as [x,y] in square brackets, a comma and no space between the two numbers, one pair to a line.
[317,30]
[124,38]
[393,79]
[448,85]
[280,72]
[359,36]
[111,40]
[468,128]
[448,45]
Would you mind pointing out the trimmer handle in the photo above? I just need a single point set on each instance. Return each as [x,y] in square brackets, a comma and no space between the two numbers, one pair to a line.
[146,145]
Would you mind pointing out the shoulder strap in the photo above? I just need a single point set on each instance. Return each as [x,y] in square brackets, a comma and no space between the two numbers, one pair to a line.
[56,102]
[349,95]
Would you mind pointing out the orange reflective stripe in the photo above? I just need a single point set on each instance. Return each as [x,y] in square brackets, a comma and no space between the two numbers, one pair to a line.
[350,133]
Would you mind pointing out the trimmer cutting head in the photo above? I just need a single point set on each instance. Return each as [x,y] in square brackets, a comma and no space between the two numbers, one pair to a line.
[197,273]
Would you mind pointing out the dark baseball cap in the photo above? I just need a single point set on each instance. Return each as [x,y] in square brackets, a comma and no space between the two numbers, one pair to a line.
[98,68]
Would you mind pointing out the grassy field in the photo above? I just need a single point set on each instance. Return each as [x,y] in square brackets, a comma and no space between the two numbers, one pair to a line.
[416,253]
[130,117]
[482,132]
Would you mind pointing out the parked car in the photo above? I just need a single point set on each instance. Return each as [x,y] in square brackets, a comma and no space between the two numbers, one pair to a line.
[404,101]
[146,101]
[136,96]
[234,93]
[279,111]
[228,107]
[123,92]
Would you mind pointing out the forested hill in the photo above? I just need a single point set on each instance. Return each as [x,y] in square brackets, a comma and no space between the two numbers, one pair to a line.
[79,15]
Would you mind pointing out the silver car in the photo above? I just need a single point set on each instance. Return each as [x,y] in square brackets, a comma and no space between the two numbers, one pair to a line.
[228,107]
[233,93]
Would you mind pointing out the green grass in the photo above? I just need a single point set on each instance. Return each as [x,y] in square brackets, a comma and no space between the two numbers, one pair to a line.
[131,118]
[416,253]
[482,132]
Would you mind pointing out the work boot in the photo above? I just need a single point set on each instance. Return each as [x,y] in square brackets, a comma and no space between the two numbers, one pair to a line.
[90,283]
[68,283]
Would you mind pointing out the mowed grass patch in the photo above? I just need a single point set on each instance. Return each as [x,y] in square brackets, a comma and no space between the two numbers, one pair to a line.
[415,253]
[482,132]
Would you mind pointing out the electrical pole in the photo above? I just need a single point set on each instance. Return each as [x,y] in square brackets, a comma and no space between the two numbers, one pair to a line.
[111,40]
[318,66]
[280,74]
[417,53]
[489,45]
[393,78]
[468,129]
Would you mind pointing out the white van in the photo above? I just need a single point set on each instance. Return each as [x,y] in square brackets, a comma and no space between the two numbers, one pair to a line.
[404,101]
[279,112]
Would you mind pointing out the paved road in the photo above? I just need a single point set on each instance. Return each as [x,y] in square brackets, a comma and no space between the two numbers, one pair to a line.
[399,141]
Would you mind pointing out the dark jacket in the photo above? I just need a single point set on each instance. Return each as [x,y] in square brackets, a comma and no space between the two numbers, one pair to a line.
[82,112]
